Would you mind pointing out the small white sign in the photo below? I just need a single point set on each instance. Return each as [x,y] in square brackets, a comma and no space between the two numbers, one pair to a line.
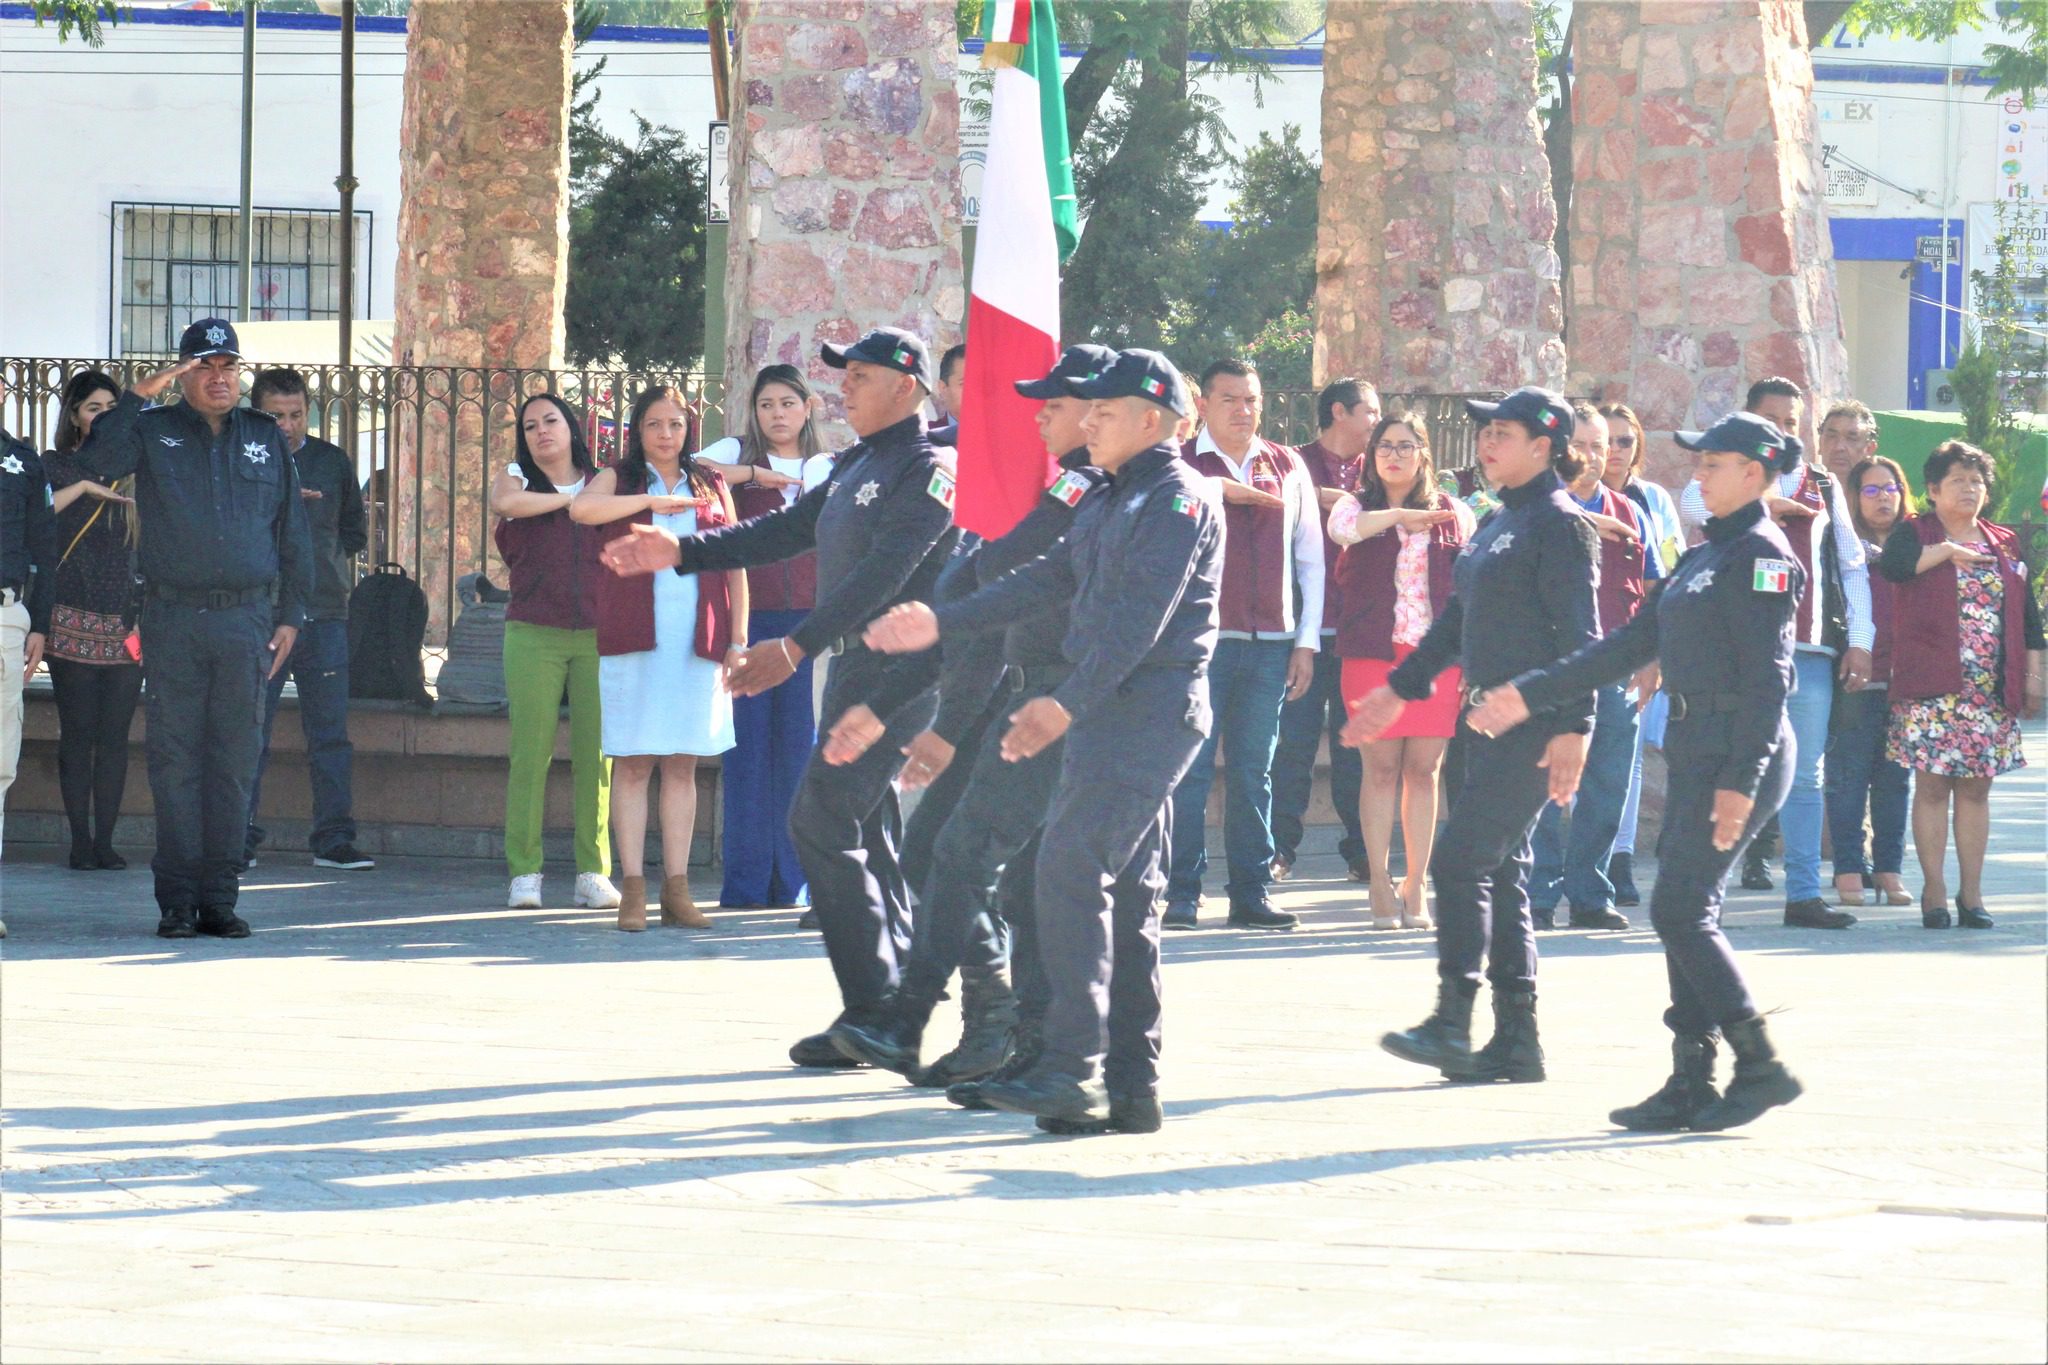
[1850,187]
[1934,250]
[718,174]
[973,161]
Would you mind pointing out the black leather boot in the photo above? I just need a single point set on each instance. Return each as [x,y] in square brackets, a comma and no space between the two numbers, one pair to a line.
[1756,867]
[1023,1056]
[1761,1081]
[1444,1040]
[988,1025]
[888,1037]
[1689,1090]
[1050,1094]
[1514,1053]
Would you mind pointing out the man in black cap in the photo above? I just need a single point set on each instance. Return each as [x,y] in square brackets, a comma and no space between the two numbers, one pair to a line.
[995,816]
[1142,568]
[226,563]
[882,528]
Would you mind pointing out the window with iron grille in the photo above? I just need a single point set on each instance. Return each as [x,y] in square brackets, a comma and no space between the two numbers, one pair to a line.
[176,263]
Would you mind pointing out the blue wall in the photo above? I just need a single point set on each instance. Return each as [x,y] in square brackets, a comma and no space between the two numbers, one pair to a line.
[1893,239]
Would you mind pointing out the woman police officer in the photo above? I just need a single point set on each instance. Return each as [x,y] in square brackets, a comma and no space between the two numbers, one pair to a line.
[1722,630]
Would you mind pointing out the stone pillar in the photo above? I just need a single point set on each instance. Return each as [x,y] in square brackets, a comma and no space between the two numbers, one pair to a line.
[483,252]
[845,183]
[1434,265]
[1700,252]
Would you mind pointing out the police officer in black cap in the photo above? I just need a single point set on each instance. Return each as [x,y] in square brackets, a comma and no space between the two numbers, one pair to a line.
[226,561]
[882,528]
[28,587]
[1002,805]
[1523,597]
[1722,629]
[1142,568]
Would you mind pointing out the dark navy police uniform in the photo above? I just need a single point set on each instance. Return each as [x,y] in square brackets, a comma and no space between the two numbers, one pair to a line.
[225,558]
[28,582]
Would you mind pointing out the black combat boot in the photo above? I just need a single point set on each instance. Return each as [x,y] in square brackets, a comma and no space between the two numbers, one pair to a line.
[1514,1053]
[988,1026]
[888,1036]
[1050,1094]
[1690,1089]
[1621,874]
[1444,1040]
[967,1094]
[1127,1114]
[1761,1081]
[817,1050]
[1756,867]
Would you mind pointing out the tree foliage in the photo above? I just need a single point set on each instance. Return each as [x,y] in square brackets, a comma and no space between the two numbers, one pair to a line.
[2019,67]
[636,255]
[86,18]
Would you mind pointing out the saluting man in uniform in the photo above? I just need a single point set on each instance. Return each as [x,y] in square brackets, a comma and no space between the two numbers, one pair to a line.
[882,527]
[1142,567]
[1722,627]
[226,562]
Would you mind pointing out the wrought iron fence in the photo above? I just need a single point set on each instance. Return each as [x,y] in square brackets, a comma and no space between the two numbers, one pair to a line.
[1290,417]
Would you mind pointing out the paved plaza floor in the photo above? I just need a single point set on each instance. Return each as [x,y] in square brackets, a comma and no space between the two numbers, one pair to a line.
[402,1123]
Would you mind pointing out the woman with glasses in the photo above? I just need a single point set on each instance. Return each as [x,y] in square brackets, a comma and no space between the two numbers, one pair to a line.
[1859,776]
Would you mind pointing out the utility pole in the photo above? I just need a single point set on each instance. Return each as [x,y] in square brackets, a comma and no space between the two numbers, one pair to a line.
[245,255]
[346,183]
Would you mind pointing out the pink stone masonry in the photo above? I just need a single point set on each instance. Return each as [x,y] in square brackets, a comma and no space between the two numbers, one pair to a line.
[1700,252]
[845,183]
[1434,265]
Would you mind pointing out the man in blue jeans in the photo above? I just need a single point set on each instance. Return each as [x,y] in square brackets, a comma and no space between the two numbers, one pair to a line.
[1272,617]
[333,504]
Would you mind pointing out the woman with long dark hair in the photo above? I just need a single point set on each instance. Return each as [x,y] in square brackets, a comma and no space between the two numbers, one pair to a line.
[664,642]
[1401,536]
[775,730]
[551,647]
[97,679]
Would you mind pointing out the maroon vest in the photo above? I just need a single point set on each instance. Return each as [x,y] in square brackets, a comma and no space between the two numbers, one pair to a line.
[1328,471]
[791,585]
[1365,577]
[1258,562]
[625,605]
[1882,594]
[552,570]
[1927,650]
[1802,534]
[1621,565]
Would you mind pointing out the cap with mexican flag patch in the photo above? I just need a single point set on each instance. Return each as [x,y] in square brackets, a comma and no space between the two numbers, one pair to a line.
[1542,411]
[1747,434]
[890,347]
[1076,362]
[1138,374]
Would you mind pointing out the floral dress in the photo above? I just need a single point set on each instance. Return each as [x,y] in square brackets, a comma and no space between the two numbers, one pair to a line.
[1970,733]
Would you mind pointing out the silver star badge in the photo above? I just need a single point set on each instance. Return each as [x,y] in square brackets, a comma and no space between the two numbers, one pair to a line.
[255,452]
[12,464]
[216,335]
[1700,581]
[172,441]
[1507,538]
[869,491]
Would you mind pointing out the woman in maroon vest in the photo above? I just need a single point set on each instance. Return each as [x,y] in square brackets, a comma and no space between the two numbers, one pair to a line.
[1967,656]
[1401,537]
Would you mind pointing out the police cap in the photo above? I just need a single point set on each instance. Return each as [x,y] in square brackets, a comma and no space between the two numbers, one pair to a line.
[1745,433]
[890,347]
[1543,411]
[1076,362]
[1138,374]
[209,336]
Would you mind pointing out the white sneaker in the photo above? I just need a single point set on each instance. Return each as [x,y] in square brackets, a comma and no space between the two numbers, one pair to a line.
[595,890]
[525,893]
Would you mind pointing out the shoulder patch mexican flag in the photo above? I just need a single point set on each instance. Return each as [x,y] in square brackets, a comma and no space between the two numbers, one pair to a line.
[941,487]
[1772,575]
[1068,488]
[1185,504]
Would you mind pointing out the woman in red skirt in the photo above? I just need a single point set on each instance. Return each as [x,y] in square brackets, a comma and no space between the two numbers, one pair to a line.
[1401,536]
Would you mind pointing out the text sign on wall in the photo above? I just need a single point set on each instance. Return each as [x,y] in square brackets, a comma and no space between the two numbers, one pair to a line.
[1851,131]
[2020,173]
[718,174]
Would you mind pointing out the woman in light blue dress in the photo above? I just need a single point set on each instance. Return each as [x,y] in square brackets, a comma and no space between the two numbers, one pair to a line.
[664,643]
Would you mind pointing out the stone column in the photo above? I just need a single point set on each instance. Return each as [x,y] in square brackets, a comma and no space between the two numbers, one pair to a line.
[483,251]
[845,183]
[1700,252]
[1434,265]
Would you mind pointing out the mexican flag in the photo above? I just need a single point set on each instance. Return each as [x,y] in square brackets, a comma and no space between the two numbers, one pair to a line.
[1027,229]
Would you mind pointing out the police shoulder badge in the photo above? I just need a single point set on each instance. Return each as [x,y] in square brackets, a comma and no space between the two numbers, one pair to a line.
[1184,503]
[941,487]
[1068,488]
[1772,575]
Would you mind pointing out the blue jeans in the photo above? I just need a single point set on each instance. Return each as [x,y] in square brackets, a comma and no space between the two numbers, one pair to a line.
[1859,775]
[1808,708]
[319,664]
[773,736]
[1574,866]
[1247,683]
[1303,723]
[1649,732]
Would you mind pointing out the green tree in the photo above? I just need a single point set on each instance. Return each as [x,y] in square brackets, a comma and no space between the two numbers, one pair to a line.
[2019,67]
[86,18]
[1262,270]
[636,256]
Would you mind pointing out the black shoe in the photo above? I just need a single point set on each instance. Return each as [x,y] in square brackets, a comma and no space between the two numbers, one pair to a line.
[82,857]
[1689,1090]
[1283,865]
[888,1038]
[1756,874]
[1261,915]
[1971,917]
[1179,915]
[1444,1040]
[1761,1081]
[1621,874]
[1815,914]
[1598,919]
[1049,1094]
[1934,917]
[818,1051]
[1514,1053]
[249,863]
[217,923]
[345,858]
[1545,918]
[967,1094]
[1127,1114]
[1359,869]
[177,924]
[807,920]
[988,1030]
[106,859]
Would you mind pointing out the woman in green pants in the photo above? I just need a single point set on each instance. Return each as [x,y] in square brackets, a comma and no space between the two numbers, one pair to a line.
[550,646]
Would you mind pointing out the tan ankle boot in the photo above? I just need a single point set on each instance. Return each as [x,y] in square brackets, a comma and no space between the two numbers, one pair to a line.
[632,904]
[679,907]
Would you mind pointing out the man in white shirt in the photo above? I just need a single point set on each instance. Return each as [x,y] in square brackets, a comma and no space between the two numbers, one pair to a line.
[1271,626]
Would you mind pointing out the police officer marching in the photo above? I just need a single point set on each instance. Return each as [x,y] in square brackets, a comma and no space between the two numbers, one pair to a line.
[1722,629]
[1523,596]
[28,589]
[882,528]
[225,562]
[1142,567]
